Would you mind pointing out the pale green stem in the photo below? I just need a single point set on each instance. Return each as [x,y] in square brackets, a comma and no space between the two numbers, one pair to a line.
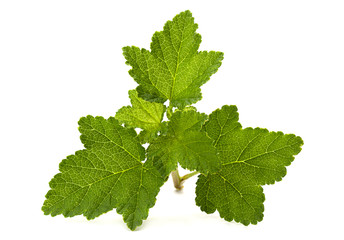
[189,175]
[178,181]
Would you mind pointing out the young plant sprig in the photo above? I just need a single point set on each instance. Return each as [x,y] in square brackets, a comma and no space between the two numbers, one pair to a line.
[115,171]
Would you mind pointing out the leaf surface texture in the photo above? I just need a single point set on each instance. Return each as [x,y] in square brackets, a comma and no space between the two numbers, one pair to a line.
[173,69]
[142,114]
[108,174]
[249,158]
[184,143]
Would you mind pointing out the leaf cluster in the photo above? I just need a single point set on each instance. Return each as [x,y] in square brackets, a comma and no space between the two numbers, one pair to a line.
[115,171]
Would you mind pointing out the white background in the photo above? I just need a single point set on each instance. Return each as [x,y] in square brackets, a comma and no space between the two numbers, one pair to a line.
[283,68]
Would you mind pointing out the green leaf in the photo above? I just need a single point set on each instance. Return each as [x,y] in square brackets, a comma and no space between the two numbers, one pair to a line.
[147,136]
[173,69]
[249,158]
[108,174]
[184,143]
[238,200]
[187,120]
[142,114]
[222,122]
